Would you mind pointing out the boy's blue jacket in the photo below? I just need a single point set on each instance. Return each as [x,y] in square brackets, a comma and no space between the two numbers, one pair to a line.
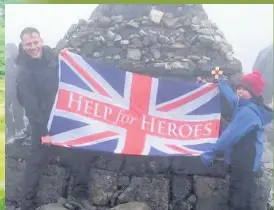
[247,116]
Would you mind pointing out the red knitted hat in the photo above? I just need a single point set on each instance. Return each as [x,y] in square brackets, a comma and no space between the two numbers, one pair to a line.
[253,82]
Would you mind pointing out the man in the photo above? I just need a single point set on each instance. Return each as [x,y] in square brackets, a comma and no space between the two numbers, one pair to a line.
[37,85]
[14,112]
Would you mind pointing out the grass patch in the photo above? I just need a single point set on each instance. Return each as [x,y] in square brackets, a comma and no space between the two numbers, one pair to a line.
[2,199]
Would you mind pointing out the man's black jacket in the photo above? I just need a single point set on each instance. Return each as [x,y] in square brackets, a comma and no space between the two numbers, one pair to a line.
[37,85]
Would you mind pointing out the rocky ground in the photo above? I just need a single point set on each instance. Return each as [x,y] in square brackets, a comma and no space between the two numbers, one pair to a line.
[162,183]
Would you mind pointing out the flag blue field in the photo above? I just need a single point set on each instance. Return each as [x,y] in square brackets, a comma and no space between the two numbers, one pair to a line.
[101,108]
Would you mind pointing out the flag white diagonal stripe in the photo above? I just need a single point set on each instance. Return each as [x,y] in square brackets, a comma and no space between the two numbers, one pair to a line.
[78,74]
[182,97]
[195,103]
[107,87]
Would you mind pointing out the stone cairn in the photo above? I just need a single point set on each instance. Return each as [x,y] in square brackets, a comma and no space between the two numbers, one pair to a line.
[175,41]
[159,40]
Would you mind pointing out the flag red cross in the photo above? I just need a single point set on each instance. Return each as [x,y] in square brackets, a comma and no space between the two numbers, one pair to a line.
[136,119]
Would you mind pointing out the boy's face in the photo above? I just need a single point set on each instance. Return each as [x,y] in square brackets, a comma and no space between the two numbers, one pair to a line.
[243,93]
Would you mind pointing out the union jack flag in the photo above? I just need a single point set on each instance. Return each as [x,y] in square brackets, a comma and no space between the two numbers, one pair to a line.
[101,108]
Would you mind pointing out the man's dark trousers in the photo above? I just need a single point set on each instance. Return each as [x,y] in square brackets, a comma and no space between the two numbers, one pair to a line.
[36,164]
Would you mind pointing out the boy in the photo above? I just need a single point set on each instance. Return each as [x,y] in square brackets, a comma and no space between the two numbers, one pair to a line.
[242,140]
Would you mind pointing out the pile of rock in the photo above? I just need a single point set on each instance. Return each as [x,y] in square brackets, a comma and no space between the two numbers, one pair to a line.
[158,40]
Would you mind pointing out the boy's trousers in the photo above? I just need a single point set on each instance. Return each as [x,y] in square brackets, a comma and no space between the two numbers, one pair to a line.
[248,190]
[242,184]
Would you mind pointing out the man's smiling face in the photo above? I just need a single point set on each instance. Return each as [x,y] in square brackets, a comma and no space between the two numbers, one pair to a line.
[32,44]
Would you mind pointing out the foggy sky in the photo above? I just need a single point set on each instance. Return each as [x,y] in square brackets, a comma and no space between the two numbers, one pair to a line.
[248,27]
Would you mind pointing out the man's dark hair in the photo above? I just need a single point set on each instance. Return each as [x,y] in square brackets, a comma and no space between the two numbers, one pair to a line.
[28,30]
